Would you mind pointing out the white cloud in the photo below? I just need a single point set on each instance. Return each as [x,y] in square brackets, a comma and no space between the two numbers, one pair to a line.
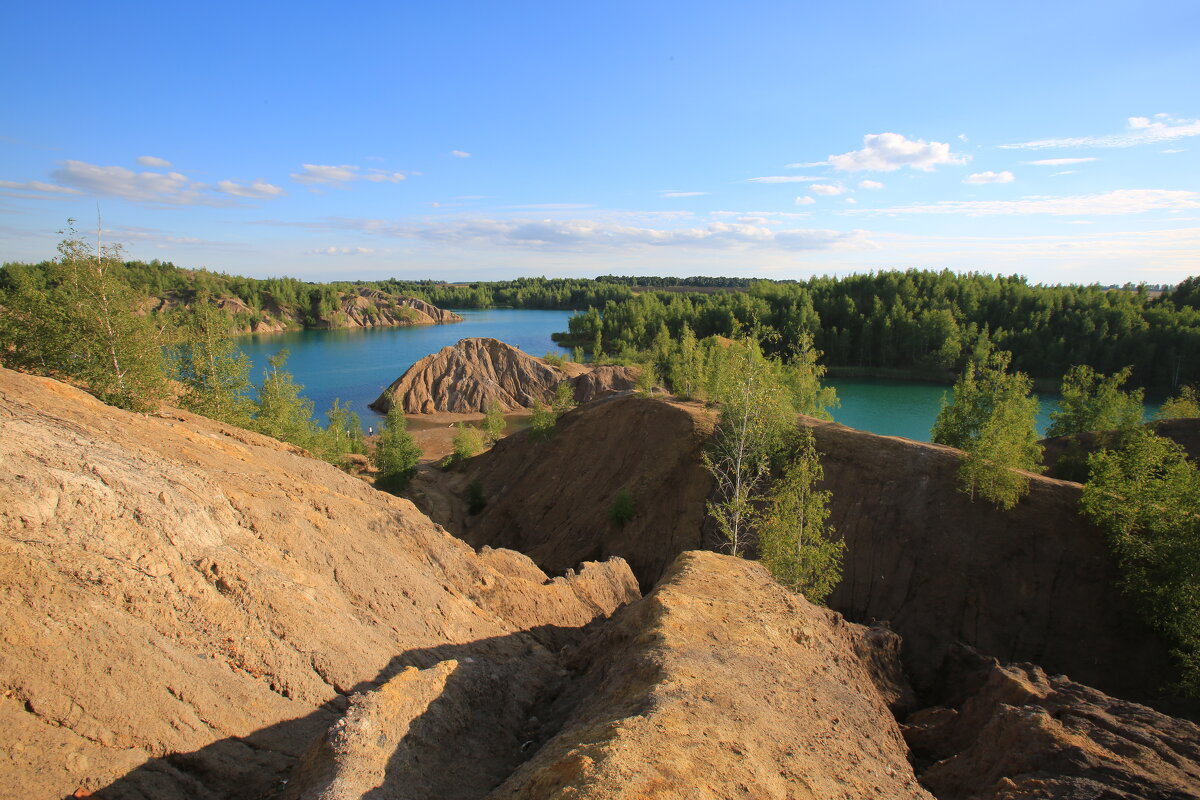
[343,175]
[601,235]
[383,176]
[1175,150]
[341,251]
[669,193]
[153,161]
[153,187]
[317,173]
[36,187]
[552,206]
[989,177]
[1064,172]
[870,185]
[782,179]
[460,154]
[172,188]
[805,200]
[826,189]
[1059,162]
[257,190]
[1139,130]
[1124,201]
[807,164]
[851,201]
[887,152]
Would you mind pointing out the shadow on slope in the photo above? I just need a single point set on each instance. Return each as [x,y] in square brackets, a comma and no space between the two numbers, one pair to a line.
[460,753]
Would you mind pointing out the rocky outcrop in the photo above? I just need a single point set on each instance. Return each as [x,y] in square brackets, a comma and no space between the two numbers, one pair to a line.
[368,308]
[468,376]
[360,308]
[603,379]
[552,499]
[186,605]
[1066,456]
[719,684]
[1032,584]
[1020,734]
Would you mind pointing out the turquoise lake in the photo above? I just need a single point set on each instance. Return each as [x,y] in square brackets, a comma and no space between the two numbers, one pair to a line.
[356,365]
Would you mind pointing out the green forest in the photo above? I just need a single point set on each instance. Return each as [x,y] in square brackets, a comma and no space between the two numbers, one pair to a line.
[918,323]
[929,324]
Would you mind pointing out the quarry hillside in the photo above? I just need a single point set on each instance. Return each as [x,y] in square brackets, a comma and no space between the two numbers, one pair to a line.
[359,308]
[471,374]
[193,610]
[1031,584]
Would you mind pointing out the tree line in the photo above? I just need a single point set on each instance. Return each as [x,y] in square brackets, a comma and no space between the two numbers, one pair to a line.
[929,323]
[81,317]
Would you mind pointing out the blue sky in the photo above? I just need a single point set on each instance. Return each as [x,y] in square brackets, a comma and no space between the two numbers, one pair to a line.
[484,140]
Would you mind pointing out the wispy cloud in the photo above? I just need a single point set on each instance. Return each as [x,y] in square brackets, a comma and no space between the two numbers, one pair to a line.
[1124,201]
[167,188]
[166,240]
[672,193]
[342,175]
[805,200]
[255,190]
[1139,130]
[1064,172]
[460,154]
[1059,162]
[887,152]
[782,179]
[826,189]
[36,188]
[173,188]
[598,235]
[1172,150]
[341,251]
[872,185]
[552,206]
[980,178]
[153,161]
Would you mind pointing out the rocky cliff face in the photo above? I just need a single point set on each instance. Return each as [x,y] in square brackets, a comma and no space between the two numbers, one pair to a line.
[466,377]
[186,604]
[719,684]
[362,308]
[191,610]
[551,499]
[1015,733]
[368,308]
[1065,456]
[1032,584]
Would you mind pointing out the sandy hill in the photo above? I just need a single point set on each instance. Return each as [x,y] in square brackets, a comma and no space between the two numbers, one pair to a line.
[172,585]
[467,376]
[194,611]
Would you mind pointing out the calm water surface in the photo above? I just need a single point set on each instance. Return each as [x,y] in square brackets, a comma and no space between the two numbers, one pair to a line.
[356,365]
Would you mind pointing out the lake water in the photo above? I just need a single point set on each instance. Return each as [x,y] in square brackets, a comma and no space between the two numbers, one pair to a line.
[357,365]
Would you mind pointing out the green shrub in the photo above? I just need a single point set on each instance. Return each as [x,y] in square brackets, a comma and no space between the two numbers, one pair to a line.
[622,509]
[468,440]
[541,423]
